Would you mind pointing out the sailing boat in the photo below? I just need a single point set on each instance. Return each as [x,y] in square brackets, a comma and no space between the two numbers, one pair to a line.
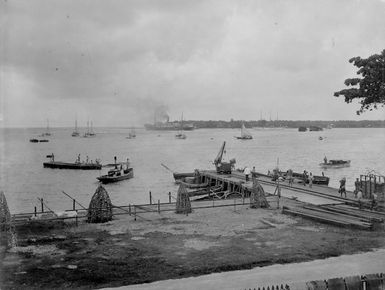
[92,133]
[46,133]
[245,135]
[132,134]
[180,134]
[89,133]
[76,132]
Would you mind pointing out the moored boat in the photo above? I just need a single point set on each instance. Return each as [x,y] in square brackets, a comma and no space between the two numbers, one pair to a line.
[117,174]
[76,165]
[335,163]
[317,179]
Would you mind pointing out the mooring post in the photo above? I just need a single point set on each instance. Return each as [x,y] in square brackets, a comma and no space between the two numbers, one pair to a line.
[234,204]
[159,206]
[42,205]
[150,198]
[134,212]
[129,209]
[169,197]
[73,205]
[35,211]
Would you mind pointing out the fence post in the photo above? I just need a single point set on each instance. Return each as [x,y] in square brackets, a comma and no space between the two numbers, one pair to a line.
[150,198]
[134,212]
[42,205]
[129,209]
[169,197]
[158,206]
[234,204]
[35,210]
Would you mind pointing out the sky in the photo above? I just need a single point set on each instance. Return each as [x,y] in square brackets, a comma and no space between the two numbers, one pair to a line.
[115,62]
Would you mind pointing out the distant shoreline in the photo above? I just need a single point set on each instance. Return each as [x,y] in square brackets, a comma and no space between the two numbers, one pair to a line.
[233,124]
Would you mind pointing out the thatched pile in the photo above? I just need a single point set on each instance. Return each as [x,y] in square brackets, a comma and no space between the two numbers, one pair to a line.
[257,196]
[100,208]
[183,204]
[5,215]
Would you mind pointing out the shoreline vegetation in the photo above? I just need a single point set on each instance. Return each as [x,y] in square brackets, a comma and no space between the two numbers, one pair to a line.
[236,124]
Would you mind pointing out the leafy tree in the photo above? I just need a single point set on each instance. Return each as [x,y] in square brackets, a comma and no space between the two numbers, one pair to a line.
[369,88]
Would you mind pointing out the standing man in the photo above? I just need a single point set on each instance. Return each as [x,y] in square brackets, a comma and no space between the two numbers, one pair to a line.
[310,180]
[290,177]
[342,186]
[247,173]
[356,187]
[304,177]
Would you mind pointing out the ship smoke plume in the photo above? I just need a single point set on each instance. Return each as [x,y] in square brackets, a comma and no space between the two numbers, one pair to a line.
[161,114]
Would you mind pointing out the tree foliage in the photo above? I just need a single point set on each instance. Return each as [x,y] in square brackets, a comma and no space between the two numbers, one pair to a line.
[369,88]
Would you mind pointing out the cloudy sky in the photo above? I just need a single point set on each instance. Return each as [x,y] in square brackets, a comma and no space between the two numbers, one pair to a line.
[114,62]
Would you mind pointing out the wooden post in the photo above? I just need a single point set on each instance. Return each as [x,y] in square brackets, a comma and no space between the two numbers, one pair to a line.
[76,220]
[169,197]
[129,209]
[73,205]
[42,205]
[234,204]
[35,211]
[134,212]
[158,206]
[150,198]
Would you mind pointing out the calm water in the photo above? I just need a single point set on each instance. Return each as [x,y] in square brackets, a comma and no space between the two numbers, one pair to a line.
[23,177]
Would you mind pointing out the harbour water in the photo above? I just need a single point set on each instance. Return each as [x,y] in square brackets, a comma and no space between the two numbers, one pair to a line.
[23,178]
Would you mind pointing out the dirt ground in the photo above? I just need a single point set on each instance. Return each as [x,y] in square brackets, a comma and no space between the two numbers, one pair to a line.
[169,246]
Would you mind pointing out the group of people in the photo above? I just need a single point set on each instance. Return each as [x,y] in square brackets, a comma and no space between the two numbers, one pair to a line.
[307,177]
[77,161]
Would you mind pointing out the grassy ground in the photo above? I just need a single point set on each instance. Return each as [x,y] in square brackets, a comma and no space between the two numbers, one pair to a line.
[168,245]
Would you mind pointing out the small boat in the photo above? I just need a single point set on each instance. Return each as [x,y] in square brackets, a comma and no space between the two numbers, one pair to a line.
[178,176]
[315,128]
[75,133]
[317,179]
[76,165]
[180,134]
[47,132]
[34,140]
[90,132]
[132,134]
[117,174]
[320,138]
[334,163]
[302,129]
[245,135]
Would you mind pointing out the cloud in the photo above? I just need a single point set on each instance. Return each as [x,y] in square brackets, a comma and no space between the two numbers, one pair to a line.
[194,56]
